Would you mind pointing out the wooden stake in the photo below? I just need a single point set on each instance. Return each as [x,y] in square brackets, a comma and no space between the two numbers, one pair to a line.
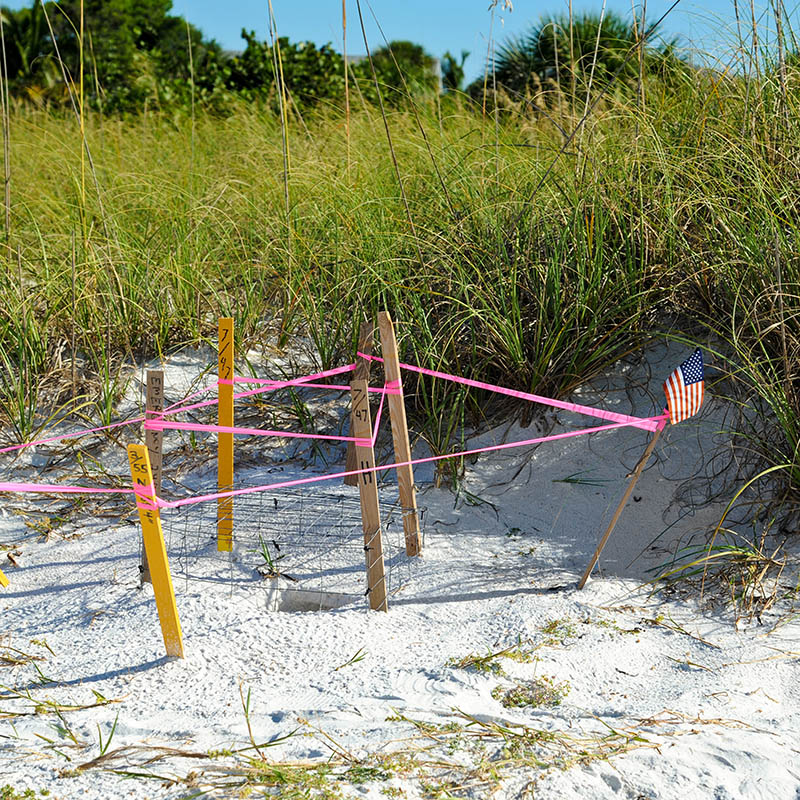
[156,551]
[3,579]
[368,490]
[402,445]
[225,440]
[636,473]
[153,441]
[361,373]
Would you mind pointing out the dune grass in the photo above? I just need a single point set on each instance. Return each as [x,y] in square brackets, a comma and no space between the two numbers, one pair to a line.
[675,215]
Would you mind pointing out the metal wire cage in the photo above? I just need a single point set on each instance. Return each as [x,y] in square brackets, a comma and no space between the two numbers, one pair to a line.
[303,546]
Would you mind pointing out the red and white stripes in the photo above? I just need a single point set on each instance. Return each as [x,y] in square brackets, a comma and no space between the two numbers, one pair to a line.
[683,399]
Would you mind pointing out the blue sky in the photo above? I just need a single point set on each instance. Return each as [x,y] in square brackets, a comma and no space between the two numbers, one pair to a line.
[455,25]
[441,25]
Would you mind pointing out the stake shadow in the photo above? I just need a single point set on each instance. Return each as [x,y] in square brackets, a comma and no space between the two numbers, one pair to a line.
[145,666]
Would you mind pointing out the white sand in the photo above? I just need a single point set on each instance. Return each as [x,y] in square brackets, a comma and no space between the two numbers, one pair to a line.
[715,705]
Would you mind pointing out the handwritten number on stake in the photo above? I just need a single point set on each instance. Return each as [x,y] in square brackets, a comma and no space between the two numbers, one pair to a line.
[366,476]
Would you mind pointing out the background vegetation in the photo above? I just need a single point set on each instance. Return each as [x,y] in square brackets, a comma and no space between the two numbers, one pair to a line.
[529,232]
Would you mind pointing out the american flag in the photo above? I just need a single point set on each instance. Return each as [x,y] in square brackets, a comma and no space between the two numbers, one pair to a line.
[684,388]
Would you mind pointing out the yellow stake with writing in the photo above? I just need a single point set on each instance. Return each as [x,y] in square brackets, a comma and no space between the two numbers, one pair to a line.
[156,550]
[225,440]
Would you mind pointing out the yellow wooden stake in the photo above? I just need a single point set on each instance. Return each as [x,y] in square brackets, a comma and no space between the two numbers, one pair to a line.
[156,551]
[3,579]
[153,440]
[402,445]
[225,440]
[361,373]
[368,490]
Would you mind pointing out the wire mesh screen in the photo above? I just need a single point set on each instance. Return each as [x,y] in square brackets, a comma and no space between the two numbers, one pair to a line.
[293,541]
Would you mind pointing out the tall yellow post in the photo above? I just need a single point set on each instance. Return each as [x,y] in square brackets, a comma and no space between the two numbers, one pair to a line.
[156,551]
[225,440]
[3,579]
[154,441]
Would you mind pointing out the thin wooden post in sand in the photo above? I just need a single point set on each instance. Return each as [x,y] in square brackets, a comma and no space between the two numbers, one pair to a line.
[368,491]
[611,525]
[153,441]
[361,373]
[402,444]
[225,440]
[156,550]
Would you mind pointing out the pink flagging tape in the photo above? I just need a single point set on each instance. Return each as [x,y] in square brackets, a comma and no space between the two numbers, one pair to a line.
[151,416]
[156,424]
[328,373]
[263,390]
[54,488]
[145,497]
[337,387]
[611,416]
[658,421]
[43,488]
[162,425]
[81,432]
[377,422]
[272,386]
[206,388]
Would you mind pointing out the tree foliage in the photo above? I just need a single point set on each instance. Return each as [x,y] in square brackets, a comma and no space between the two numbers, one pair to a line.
[135,53]
[403,66]
[453,70]
[555,51]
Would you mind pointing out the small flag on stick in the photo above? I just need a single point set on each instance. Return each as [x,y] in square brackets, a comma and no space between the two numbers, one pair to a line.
[685,388]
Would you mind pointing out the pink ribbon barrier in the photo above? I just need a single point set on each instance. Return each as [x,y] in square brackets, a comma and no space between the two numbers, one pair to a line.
[272,385]
[54,488]
[153,420]
[206,388]
[659,422]
[611,416]
[328,373]
[162,425]
[82,432]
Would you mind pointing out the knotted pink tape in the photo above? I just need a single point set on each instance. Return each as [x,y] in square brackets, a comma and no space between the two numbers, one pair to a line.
[146,497]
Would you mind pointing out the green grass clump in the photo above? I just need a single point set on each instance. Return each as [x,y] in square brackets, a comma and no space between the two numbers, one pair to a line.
[491,662]
[8,792]
[536,693]
[558,631]
[523,257]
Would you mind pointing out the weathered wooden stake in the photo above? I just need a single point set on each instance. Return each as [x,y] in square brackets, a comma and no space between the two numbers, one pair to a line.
[636,473]
[368,489]
[156,550]
[3,579]
[153,441]
[225,440]
[361,373]
[402,445]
